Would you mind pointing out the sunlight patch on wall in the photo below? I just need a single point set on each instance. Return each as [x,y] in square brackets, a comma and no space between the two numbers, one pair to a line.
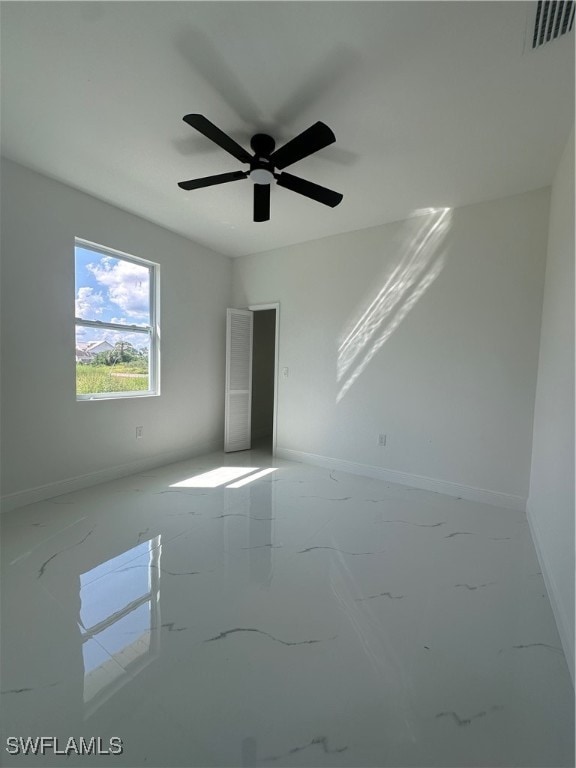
[419,265]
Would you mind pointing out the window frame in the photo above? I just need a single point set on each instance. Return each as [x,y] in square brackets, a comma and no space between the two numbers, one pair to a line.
[152,330]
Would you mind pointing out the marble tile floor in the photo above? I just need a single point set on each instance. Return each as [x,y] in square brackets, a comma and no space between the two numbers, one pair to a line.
[236,610]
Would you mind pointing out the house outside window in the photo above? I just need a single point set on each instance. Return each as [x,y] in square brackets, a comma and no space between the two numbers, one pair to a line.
[117,335]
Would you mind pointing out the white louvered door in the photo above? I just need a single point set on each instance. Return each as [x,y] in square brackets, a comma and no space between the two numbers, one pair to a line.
[238,407]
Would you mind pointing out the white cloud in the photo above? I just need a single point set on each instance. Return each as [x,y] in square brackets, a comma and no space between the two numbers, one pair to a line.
[88,303]
[127,284]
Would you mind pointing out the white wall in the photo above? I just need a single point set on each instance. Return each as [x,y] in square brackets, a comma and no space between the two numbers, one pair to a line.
[47,436]
[444,310]
[551,502]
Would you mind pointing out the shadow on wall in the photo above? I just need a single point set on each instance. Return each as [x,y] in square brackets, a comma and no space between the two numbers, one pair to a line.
[420,262]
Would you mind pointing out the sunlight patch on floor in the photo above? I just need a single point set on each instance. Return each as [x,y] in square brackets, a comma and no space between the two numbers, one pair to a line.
[223,476]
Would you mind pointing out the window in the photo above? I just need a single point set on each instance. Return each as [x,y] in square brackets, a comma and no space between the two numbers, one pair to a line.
[116,324]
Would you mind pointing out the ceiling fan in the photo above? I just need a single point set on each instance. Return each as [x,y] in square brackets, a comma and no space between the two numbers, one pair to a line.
[264,163]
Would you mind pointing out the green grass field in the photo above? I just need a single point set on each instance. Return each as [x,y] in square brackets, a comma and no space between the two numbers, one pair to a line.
[124,377]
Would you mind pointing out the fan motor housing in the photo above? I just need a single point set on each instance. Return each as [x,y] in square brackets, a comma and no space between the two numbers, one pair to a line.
[262,144]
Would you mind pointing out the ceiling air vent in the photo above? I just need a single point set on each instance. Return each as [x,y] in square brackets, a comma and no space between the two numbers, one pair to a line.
[553,18]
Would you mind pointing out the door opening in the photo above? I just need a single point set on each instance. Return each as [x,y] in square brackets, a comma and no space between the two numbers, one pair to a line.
[251,378]
[263,369]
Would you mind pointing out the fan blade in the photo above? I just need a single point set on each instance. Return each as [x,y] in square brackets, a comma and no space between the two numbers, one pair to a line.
[208,181]
[308,189]
[311,140]
[261,202]
[200,123]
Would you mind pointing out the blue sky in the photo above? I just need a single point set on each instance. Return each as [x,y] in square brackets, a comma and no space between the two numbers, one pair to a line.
[111,290]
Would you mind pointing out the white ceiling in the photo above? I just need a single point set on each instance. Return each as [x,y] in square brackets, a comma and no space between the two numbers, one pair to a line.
[432,103]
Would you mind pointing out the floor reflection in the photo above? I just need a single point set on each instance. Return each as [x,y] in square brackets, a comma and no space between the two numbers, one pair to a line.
[120,608]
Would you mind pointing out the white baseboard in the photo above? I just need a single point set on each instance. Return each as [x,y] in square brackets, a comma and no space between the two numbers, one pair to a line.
[50,490]
[564,629]
[495,498]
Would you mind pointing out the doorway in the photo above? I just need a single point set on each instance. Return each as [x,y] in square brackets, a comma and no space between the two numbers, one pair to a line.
[264,377]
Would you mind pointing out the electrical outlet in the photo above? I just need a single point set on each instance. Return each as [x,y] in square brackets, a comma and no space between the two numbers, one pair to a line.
[139,432]
[382,439]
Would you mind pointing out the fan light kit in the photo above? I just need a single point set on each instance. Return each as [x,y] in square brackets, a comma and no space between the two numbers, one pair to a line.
[265,162]
[261,176]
